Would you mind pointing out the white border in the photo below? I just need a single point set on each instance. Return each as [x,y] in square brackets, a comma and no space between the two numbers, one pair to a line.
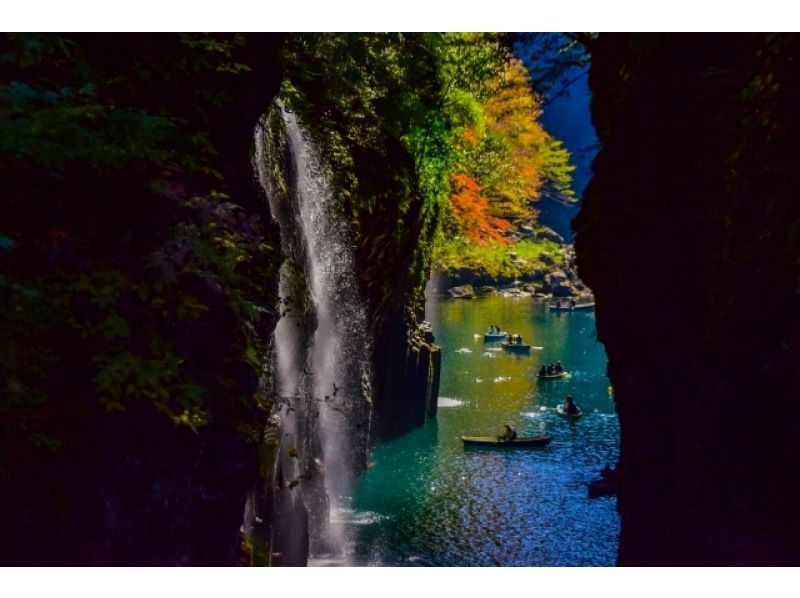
[399,583]
[409,15]
[403,15]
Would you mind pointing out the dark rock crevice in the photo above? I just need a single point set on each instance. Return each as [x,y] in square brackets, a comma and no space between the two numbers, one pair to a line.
[688,237]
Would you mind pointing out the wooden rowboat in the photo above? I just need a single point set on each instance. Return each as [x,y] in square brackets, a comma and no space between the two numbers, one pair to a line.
[496,442]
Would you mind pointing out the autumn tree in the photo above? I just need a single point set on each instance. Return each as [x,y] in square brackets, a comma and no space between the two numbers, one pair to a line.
[472,212]
[502,146]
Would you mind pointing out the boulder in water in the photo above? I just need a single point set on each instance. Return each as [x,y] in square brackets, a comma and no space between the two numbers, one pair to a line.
[463,292]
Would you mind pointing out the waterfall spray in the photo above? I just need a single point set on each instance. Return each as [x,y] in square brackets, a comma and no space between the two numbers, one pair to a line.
[322,355]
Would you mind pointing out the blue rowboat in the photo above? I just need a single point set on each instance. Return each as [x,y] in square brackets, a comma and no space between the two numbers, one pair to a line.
[515,348]
[578,307]
[494,337]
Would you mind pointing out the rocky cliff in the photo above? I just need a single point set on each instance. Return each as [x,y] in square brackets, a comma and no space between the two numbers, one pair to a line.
[138,291]
[139,270]
[408,367]
[352,364]
[688,236]
[375,134]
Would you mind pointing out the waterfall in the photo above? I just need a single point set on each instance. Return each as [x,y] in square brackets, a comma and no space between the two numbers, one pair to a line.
[321,349]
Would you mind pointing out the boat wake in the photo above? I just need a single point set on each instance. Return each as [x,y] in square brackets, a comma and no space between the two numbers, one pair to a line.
[448,402]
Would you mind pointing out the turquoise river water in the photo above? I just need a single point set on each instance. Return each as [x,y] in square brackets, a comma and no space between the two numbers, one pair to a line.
[424,500]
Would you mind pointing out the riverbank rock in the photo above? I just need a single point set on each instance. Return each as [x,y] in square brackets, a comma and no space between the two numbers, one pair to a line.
[462,292]
[514,292]
[538,273]
[408,369]
[531,288]
[546,259]
[488,290]
[545,233]
[558,285]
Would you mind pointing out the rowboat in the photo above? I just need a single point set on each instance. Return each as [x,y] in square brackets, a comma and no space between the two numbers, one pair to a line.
[515,348]
[578,307]
[493,337]
[496,442]
[563,374]
[563,413]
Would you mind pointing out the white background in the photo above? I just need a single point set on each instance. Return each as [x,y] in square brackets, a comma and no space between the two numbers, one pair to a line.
[406,15]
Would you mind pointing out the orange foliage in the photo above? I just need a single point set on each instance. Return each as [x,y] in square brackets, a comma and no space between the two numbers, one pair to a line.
[470,136]
[472,211]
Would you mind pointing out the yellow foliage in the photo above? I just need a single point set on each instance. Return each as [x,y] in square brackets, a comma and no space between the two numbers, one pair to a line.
[512,113]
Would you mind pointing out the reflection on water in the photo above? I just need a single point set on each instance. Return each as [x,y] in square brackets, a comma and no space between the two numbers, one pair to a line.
[426,501]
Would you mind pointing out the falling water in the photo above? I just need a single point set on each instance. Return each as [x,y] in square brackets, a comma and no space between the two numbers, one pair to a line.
[321,348]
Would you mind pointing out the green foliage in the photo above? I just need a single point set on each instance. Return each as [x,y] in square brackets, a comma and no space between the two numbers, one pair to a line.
[494,259]
[376,104]
[397,116]
[503,159]
[68,125]
[71,114]
[118,239]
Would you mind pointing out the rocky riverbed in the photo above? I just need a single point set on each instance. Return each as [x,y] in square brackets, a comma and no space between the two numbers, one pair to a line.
[554,276]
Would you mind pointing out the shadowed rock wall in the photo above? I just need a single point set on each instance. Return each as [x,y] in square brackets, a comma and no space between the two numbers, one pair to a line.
[689,236]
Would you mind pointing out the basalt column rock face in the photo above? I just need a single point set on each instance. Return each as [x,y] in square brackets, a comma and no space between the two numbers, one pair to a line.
[693,205]
[408,366]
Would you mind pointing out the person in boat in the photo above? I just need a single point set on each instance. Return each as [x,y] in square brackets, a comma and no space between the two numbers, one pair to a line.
[550,371]
[509,433]
[570,406]
[519,339]
[543,370]
[572,303]
[558,368]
